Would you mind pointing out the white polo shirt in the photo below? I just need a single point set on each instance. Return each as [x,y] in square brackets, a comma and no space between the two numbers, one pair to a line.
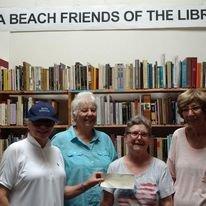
[35,176]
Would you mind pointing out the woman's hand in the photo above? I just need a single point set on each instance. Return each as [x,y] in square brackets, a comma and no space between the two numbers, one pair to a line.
[95,179]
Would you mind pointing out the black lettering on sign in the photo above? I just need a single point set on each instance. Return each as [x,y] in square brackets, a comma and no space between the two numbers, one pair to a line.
[2,19]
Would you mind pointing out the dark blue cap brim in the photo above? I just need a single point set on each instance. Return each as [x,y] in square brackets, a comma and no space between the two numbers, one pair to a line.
[33,119]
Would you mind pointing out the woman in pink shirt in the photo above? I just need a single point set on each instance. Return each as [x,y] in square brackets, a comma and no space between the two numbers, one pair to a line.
[187,156]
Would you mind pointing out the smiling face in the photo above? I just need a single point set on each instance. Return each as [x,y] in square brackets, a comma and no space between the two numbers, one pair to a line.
[41,130]
[193,114]
[138,138]
[86,115]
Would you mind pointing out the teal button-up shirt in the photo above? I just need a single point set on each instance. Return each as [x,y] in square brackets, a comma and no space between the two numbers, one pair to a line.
[82,160]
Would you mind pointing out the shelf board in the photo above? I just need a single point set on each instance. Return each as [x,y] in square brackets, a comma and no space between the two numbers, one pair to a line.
[99,91]
[25,127]
[55,95]
[111,91]
[153,126]
[34,92]
[96,126]
[157,130]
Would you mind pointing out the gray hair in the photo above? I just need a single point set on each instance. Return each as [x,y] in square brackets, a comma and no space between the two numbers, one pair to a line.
[137,120]
[80,99]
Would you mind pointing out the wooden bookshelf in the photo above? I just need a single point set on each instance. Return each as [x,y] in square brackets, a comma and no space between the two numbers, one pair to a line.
[122,89]
[16,128]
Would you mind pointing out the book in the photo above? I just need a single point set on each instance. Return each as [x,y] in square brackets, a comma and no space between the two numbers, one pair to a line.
[13,113]
[169,71]
[160,148]
[150,75]
[199,75]
[26,74]
[193,62]
[20,111]
[5,79]
[176,73]
[145,66]
[119,142]
[120,76]
[4,63]
[155,76]
[146,106]
[3,113]
[153,113]
[184,74]
[160,77]
[136,75]
[189,70]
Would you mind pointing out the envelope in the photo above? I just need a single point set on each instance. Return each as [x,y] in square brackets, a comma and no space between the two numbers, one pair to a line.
[121,181]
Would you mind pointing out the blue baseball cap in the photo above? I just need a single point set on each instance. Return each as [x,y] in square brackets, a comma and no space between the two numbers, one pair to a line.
[42,110]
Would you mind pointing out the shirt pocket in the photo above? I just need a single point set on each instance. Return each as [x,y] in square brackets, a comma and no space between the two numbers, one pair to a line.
[103,154]
[74,154]
[74,158]
[104,160]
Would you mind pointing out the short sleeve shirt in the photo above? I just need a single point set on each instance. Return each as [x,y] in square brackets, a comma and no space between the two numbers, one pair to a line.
[34,175]
[151,185]
[81,160]
[188,166]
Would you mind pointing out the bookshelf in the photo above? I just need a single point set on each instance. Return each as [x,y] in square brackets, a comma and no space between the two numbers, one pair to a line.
[15,104]
[111,103]
[14,129]
[122,91]
[115,128]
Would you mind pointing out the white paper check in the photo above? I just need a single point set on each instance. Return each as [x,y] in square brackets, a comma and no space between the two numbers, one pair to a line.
[123,181]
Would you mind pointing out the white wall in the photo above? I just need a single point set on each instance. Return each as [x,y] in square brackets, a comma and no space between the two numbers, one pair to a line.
[46,48]
[4,45]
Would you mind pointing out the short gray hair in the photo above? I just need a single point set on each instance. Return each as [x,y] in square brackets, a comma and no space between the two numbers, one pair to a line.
[137,120]
[80,99]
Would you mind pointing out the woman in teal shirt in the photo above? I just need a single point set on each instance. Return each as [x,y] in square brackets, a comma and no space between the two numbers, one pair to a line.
[85,150]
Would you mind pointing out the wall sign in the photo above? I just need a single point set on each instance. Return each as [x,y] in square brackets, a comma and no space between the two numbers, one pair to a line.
[102,18]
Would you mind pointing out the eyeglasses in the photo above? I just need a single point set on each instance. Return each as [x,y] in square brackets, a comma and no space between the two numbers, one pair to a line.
[194,108]
[136,134]
[46,123]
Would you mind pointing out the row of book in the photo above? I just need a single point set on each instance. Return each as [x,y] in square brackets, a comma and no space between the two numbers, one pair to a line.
[35,78]
[110,109]
[138,75]
[11,113]
[159,146]
[161,110]
[5,142]
[14,110]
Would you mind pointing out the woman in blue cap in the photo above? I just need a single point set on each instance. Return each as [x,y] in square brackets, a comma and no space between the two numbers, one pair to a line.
[32,170]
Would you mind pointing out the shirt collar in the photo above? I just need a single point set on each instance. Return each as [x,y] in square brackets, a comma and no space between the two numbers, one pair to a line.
[75,137]
[33,141]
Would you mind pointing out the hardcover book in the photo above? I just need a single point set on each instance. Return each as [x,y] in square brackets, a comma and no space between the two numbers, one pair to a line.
[4,63]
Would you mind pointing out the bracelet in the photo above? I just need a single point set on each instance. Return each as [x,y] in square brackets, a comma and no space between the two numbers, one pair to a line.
[83,186]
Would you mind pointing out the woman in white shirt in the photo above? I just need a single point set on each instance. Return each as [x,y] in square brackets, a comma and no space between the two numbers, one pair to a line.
[153,184]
